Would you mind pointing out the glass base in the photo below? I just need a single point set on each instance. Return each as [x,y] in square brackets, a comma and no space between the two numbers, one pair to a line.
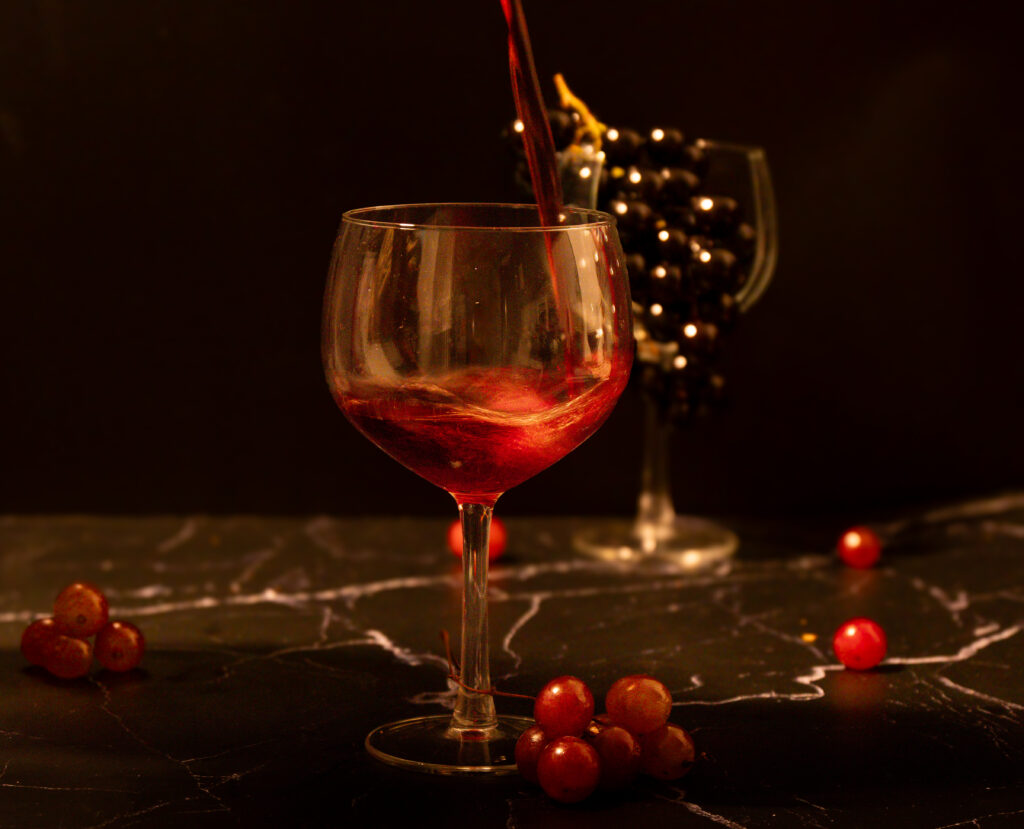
[429,744]
[688,543]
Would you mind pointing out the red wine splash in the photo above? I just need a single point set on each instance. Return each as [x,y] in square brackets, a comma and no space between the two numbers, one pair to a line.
[537,140]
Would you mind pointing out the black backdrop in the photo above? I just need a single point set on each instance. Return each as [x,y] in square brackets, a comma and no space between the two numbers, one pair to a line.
[172,174]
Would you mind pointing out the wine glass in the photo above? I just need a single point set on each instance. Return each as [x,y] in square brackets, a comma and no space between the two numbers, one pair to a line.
[477,348]
[658,534]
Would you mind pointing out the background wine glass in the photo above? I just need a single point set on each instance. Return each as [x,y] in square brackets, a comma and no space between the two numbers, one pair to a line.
[658,533]
[476,348]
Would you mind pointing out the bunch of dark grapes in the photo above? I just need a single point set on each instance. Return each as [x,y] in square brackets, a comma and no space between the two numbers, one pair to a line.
[688,254]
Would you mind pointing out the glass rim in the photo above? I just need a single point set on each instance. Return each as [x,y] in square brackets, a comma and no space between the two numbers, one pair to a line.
[359,216]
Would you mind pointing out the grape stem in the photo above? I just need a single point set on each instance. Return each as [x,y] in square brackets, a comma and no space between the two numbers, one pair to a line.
[453,674]
[589,125]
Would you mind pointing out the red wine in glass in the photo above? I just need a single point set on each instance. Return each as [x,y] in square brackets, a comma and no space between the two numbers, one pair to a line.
[479,433]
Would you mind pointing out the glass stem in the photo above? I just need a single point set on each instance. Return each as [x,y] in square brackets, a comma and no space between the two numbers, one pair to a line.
[655,511]
[474,710]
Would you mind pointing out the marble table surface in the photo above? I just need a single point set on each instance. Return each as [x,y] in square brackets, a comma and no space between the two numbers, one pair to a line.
[276,643]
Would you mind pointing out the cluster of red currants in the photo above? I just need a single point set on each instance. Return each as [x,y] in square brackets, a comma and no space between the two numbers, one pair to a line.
[60,643]
[570,753]
[860,643]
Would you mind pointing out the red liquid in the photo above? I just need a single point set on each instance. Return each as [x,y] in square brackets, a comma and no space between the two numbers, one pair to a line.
[537,140]
[478,433]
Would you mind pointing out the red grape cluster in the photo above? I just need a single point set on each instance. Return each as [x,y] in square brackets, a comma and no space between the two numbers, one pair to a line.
[60,643]
[570,752]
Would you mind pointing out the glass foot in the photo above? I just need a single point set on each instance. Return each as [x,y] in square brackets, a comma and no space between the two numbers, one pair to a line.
[688,543]
[429,744]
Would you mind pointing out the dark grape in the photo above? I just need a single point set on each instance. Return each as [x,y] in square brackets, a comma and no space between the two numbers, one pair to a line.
[661,322]
[640,183]
[665,146]
[715,269]
[621,146]
[678,184]
[672,245]
[718,307]
[634,217]
[668,286]
[698,337]
[563,128]
[679,215]
[718,215]
[695,158]
[635,263]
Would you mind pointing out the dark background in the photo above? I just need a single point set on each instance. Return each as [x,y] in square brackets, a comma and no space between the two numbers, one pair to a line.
[172,175]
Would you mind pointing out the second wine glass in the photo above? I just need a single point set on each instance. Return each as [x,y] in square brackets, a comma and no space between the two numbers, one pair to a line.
[679,309]
[476,347]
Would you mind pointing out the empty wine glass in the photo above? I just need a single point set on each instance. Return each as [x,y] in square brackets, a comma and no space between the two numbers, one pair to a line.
[658,534]
[475,347]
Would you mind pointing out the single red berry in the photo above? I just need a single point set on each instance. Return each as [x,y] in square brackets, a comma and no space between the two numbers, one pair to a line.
[564,707]
[528,748]
[37,640]
[639,703]
[667,753]
[619,753]
[80,609]
[119,646]
[568,769]
[860,547]
[68,657]
[496,543]
[860,643]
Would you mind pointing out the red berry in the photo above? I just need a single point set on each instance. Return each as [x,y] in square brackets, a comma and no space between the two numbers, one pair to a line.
[528,748]
[860,643]
[860,547]
[568,769]
[37,640]
[619,753]
[667,753]
[639,703]
[497,540]
[68,657]
[80,609]
[564,707]
[119,646]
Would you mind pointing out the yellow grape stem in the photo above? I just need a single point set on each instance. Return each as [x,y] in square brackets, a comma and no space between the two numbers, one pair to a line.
[590,125]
